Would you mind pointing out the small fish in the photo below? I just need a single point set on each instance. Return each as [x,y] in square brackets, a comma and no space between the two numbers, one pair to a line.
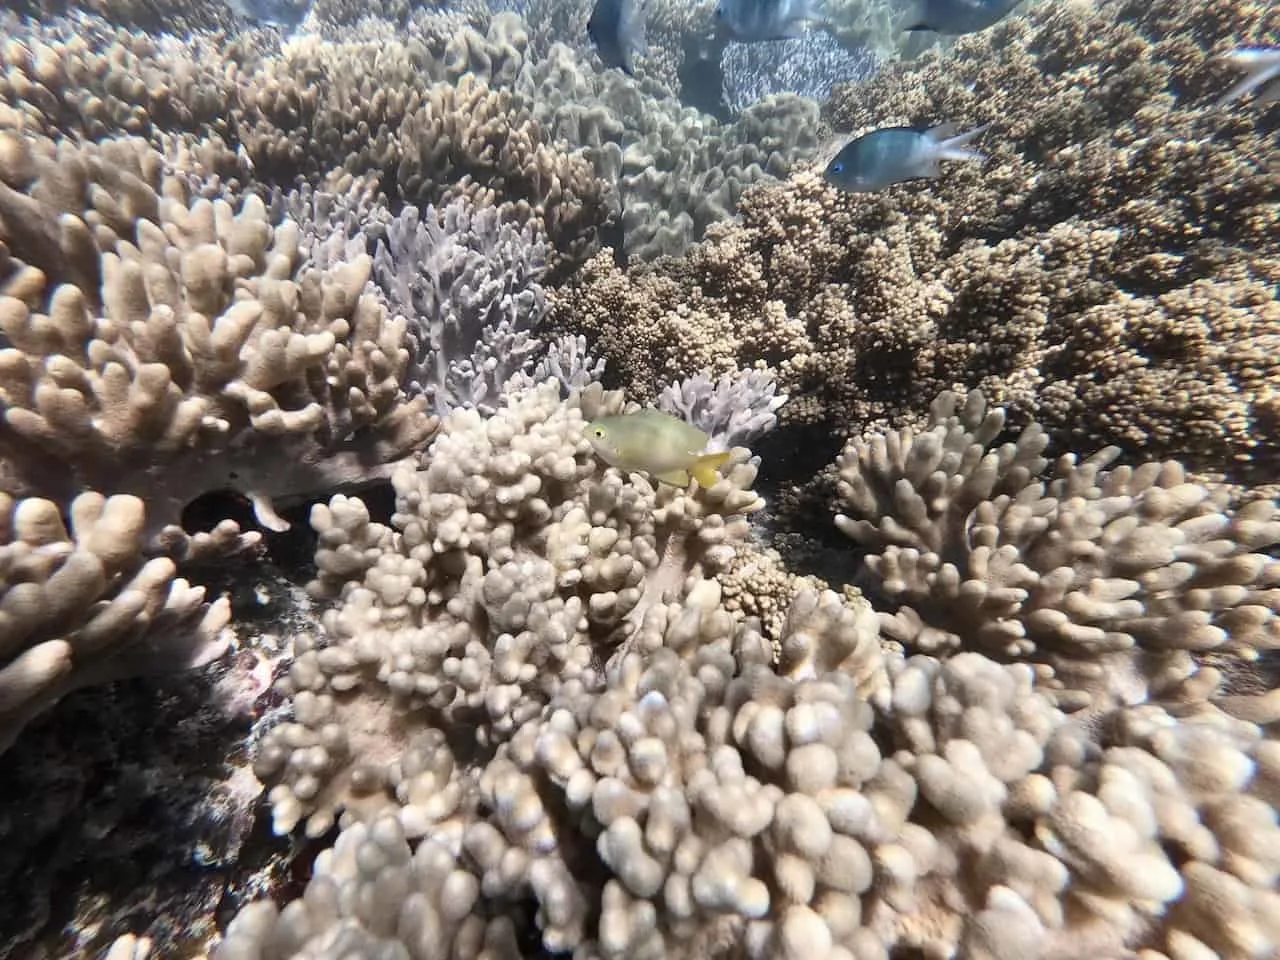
[285,14]
[751,21]
[656,443]
[1261,66]
[617,29]
[892,155]
[955,17]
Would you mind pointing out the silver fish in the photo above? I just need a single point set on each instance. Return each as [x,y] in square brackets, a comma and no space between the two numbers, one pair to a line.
[284,14]
[617,29]
[892,155]
[954,17]
[750,21]
[1261,66]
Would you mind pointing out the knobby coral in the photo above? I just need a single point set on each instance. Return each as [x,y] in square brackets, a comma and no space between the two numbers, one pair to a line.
[86,606]
[1122,585]
[540,731]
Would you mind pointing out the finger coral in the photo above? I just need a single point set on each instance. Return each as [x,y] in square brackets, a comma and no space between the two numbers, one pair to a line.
[202,359]
[468,284]
[85,605]
[515,563]
[1117,583]
[518,773]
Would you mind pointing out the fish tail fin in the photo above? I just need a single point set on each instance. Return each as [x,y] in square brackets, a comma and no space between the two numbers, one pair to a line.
[677,478]
[706,469]
[953,146]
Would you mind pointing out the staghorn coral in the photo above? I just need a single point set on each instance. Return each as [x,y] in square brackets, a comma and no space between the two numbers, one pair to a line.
[468,284]
[203,359]
[1109,273]
[1117,583]
[84,606]
[732,411]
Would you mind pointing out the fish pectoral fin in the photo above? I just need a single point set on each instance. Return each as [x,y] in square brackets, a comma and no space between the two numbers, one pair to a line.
[677,478]
[706,469]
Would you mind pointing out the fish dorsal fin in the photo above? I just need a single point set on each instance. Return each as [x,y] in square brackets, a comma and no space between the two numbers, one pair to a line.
[943,131]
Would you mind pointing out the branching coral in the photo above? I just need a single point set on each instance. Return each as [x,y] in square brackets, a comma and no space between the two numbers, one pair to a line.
[468,284]
[205,359]
[532,758]
[732,411]
[1118,583]
[85,606]
[515,564]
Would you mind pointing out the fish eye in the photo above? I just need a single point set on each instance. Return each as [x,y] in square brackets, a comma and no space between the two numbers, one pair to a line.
[837,168]
[598,433]
[719,14]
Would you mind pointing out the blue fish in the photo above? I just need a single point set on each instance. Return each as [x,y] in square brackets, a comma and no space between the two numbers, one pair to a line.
[1261,66]
[955,17]
[751,21]
[617,29]
[892,155]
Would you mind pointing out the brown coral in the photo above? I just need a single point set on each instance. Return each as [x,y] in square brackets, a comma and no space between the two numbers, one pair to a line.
[1110,273]
[204,358]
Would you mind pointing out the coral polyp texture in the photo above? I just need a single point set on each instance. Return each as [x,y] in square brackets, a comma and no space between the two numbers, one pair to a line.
[1110,272]
[1122,584]
[168,348]
[85,605]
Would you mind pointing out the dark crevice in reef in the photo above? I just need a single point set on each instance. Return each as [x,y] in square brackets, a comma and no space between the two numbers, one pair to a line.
[701,79]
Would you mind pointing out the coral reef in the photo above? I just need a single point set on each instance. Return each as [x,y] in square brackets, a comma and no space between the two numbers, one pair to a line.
[167,349]
[1003,708]
[452,104]
[1110,273]
[1123,585]
[468,287]
[525,758]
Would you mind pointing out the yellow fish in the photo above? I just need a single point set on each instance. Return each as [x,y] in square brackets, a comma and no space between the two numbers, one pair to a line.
[657,443]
